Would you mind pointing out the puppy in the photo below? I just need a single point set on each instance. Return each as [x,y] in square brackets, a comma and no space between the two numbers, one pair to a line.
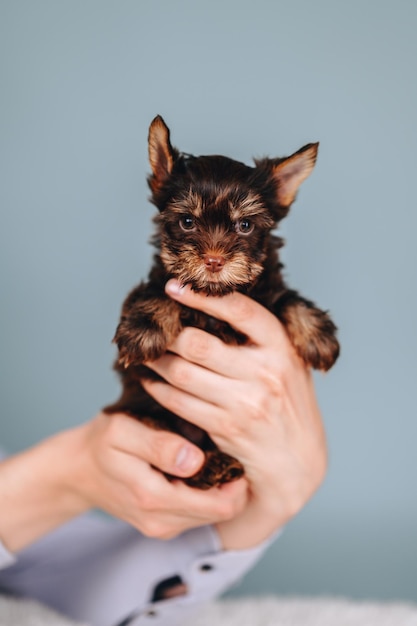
[214,232]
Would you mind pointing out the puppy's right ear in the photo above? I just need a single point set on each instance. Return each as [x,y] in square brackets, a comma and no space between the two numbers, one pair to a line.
[161,154]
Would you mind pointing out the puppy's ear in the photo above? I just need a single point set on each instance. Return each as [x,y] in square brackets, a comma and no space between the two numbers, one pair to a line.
[161,154]
[289,173]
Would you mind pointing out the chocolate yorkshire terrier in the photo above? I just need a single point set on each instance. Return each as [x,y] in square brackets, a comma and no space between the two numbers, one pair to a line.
[214,233]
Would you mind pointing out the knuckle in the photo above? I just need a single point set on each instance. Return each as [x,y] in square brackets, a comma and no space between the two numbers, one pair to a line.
[256,412]
[256,407]
[197,344]
[175,401]
[180,373]
[145,500]
[273,382]
[231,429]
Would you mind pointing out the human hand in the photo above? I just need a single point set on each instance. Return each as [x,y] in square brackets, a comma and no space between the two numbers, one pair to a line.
[109,463]
[120,472]
[256,401]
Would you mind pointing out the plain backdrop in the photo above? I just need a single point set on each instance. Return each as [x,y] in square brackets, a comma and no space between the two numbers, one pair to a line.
[80,82]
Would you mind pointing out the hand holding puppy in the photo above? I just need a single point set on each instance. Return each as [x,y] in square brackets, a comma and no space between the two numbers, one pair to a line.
[256,401]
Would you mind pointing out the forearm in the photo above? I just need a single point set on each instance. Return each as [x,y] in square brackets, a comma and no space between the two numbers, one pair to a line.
[35,491]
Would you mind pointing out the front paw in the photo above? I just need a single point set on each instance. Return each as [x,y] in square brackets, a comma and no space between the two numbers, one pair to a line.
[320,348]
[218,468]
[312,333]
[139,344]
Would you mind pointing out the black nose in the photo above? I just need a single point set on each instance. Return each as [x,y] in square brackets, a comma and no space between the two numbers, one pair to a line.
[213,262]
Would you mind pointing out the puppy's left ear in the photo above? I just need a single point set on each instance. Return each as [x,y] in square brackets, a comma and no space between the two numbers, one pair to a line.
[161,154]
[289,173]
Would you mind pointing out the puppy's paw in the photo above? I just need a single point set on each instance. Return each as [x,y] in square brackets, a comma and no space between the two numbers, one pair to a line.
[139,344]
[218,468]
[320,348]
[312,333]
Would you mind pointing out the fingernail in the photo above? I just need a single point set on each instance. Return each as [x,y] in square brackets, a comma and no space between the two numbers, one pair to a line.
[174,287]
[188,459]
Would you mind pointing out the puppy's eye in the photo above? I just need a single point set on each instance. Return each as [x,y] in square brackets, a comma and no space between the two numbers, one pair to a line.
[244,227]
[187,222]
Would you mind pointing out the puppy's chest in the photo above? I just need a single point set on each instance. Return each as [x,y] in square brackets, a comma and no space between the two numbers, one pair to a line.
[225,332]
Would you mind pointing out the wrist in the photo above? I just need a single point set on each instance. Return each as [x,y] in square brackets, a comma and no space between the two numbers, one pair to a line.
[255,525]
[265,513]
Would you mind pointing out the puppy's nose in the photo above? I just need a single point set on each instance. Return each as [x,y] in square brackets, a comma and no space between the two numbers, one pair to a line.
[213,262]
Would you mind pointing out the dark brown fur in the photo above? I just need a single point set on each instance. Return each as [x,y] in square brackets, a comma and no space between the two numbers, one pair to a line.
[214,233]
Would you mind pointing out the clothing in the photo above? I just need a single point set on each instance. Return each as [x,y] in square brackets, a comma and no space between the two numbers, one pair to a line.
[104,572]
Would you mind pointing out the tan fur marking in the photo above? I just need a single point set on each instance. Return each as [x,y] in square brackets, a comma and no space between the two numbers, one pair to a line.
[308,329]
[251,205]
[160,150]
[292,172]
[192,203]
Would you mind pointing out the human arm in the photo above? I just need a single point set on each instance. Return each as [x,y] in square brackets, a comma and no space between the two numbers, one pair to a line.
[257,402]
[111,562]
[102,570]
[100,561]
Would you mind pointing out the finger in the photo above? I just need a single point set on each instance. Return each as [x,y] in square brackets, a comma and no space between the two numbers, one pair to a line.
[240,311]
[189,407]
[175,502]
[192,378]
[215,504]
[167,451]
[202,348]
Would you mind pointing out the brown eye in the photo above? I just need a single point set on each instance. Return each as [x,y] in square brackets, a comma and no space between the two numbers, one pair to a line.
[187,223]
[244,227]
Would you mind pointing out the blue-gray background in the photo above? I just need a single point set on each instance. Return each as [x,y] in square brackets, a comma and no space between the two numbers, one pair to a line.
[80,82]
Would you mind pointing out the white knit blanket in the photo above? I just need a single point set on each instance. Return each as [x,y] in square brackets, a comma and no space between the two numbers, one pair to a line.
[260,611]
[17,612]
[273,611]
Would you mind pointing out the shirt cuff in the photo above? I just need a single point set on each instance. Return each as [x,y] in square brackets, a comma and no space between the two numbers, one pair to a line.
[207,576]
[231,566]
